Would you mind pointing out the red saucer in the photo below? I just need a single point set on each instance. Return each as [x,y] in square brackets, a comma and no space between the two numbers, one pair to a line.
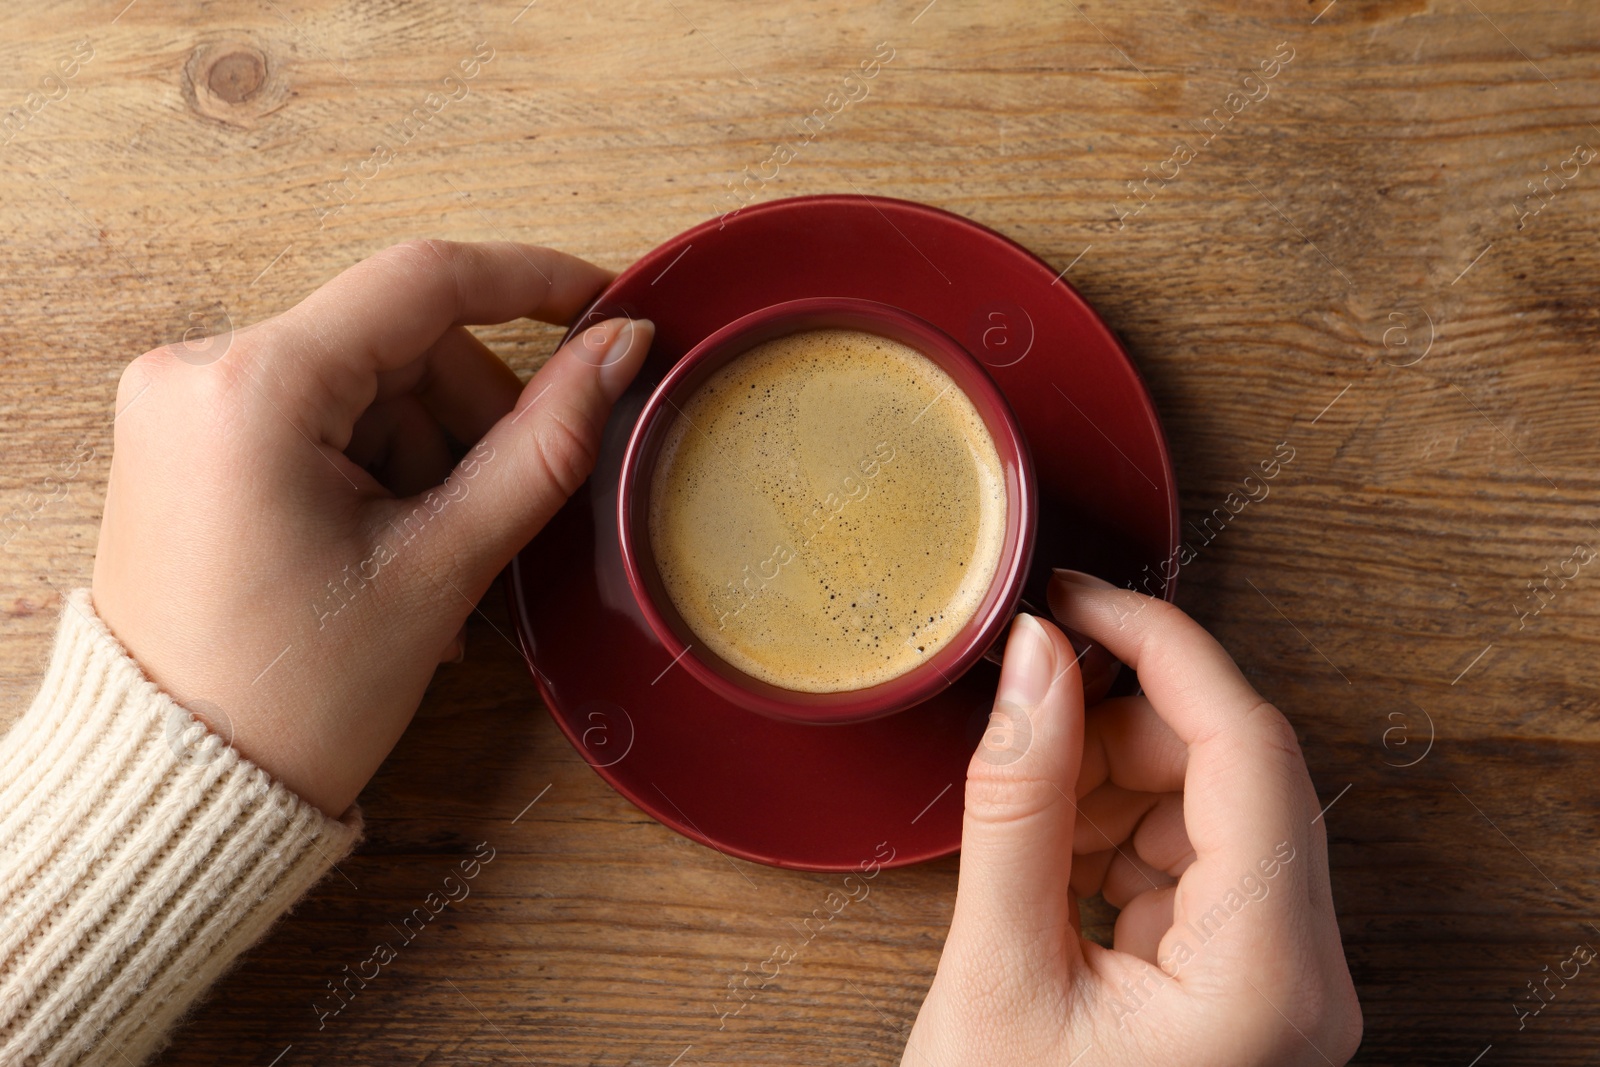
[826,797]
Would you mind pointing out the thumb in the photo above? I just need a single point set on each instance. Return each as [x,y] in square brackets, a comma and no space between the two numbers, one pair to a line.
[532,460]
[1016,840]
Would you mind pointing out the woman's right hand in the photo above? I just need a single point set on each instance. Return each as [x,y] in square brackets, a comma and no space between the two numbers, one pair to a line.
[1190,808]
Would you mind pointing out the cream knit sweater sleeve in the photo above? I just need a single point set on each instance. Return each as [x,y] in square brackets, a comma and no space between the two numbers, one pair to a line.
[139,856]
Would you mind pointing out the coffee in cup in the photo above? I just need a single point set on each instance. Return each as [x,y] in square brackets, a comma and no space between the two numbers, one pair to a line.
[827,510]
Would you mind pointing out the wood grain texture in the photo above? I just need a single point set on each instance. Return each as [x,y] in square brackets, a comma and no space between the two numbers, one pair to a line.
[185,175]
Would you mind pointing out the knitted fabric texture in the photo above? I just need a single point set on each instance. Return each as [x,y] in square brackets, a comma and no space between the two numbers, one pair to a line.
[139,856]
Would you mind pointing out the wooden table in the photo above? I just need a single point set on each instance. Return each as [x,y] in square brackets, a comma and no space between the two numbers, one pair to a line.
[1349,259]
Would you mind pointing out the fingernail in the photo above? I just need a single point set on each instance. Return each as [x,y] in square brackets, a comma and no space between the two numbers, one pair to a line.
[1071,577]
[1030,664]
[621,359]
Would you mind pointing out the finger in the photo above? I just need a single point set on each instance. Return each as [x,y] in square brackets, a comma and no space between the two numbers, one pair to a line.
[386,310]
[1108,815]
[1089,872]
[1161,840]
[456,650]
[1098,667]
[1143,923]
[460,381]
[1239,749]
[1247,794]
[1126,741]
[1013,893]
[400,444]
[533,459]
[1128,876]
[369,437]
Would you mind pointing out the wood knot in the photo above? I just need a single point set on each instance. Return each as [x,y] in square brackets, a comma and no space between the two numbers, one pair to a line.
[233,82]
[237,76]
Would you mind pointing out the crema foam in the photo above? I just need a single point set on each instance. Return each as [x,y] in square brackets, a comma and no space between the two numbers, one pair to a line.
[827,510]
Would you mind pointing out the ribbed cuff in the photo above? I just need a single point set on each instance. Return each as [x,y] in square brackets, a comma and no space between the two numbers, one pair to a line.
[139,856]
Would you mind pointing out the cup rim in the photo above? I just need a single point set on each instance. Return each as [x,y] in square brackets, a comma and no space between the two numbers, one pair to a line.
[969,643]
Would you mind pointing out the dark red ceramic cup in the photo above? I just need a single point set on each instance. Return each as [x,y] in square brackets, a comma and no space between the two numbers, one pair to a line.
[633,499]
